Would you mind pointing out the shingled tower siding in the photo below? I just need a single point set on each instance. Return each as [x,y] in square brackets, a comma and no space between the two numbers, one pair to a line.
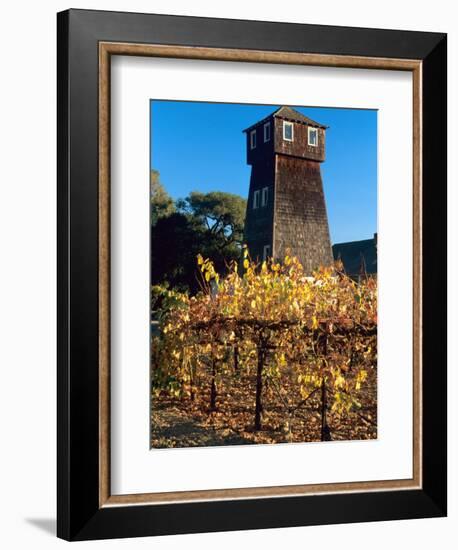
[259,223]
[294,216]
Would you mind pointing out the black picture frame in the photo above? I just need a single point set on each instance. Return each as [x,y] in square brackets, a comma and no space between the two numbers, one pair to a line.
[80,516]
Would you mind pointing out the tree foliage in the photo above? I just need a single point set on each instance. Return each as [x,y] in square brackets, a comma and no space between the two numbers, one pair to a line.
[175,242]
[223,215]
[162,204]
[207,223]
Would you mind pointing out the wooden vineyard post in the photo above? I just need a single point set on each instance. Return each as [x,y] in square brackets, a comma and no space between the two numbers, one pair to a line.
[325,431]
[213,387]
[258,409]
[236,358]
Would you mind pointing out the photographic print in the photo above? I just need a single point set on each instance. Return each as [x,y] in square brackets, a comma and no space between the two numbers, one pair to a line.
[227,217]
[263,274]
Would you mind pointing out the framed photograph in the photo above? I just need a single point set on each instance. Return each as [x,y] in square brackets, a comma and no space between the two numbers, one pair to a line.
[252,275]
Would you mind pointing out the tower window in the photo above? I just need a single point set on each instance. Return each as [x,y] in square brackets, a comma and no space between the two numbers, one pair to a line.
[266,131]
[253,139]
[288,131]
[264,196]
[266,253]
[256,199]
[313,137]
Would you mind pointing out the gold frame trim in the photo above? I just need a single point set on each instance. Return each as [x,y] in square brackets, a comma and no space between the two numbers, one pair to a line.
[106,50]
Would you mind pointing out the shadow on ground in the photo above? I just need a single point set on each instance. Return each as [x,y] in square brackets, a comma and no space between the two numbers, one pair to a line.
[171,430]
[48,525]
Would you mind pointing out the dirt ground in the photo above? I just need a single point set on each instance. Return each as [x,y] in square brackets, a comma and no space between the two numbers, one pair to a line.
[187,423]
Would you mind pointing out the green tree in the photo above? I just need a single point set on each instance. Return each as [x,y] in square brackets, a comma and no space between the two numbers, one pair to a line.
[222,214]
[162,204]
[210,224]
[220,217]
[175,242]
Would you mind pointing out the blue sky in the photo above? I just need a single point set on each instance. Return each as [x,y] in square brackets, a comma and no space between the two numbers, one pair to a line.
[200,147]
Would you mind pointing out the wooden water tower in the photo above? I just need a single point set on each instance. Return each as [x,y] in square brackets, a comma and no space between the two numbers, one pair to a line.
[286,207]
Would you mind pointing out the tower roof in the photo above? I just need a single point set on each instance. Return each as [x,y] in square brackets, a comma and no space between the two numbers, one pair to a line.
[288,113]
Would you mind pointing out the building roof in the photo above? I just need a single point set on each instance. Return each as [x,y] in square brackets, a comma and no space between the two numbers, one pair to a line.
[288,113]
[357,256]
